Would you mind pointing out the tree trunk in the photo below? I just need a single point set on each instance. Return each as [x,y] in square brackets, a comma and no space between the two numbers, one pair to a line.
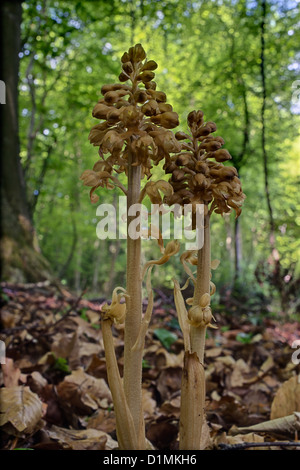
[19,255]
[237,249]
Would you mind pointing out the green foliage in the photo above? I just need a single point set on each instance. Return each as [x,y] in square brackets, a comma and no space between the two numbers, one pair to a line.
[61,364]
[244,338]
[209,58]
[166,337]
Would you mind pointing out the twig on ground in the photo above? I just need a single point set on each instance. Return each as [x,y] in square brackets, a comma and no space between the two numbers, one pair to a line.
[245,445]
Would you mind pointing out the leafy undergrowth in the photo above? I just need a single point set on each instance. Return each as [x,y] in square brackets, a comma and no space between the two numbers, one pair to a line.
[54,392]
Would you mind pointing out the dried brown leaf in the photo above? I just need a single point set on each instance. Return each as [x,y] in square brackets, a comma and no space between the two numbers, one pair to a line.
[87,439]
[83,392]
[287,399]
[21,409]
[280,426]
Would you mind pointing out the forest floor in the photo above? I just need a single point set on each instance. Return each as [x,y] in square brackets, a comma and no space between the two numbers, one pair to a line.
[53,385]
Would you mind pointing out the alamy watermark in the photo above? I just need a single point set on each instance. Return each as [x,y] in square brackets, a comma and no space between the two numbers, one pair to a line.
[2,92]
[2,352]
[158,218]
[296,354]
[295,101]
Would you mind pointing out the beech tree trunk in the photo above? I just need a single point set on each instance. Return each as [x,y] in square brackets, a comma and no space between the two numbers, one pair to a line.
[20,258]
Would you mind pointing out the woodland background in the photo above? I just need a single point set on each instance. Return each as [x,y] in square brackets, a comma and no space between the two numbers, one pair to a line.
[238,61]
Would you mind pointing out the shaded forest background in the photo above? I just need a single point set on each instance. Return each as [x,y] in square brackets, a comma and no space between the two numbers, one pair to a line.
[238,61]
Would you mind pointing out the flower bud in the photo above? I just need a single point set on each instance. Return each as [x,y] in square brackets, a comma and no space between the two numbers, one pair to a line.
[195,315]
[127,67]
[204,130]
[178,175]
[114,87]
[125,58]
[100,111]
[195,117]
[211,145]
[202,167]
[150,65]
[159,96]
[169,120]
[113,116]
[183,159]
[111,97]
[123,77]
[200,182]
[146,76]
[140,96]
[222,155]
[150,85]
[130,116]
[207,315]
[151,108]
[181,135]
[169,167]
[204,300]
[137,53]
[165,107]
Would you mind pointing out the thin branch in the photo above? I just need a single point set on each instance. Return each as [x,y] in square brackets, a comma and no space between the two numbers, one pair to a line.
[246,445]
[263,125]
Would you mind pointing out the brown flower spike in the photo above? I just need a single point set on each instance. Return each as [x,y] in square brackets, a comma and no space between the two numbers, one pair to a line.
[198,173]
[136,119]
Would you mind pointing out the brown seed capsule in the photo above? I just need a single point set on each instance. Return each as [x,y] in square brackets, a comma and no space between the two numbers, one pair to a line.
[168,120]
[178,175]
[203,131]
[100,111]
[113,116]
[150,65]
[195,117]
[165,107]
[123,77]
[111,97]
[199,181]
[151,108]
[212,125]
[125,58]
[159,96]
[150,85]
[181,135]
[114,87]
[146,76]
[169,167]
[202,167]
[183,159]
[139,53]
[210,146]
[130,116]
[127,67]
[141,96]
[222,155]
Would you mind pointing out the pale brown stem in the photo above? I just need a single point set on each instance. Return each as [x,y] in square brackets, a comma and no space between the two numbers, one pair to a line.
[126,434]
[133,358]
[192,402]
[193,380]
[202,286]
